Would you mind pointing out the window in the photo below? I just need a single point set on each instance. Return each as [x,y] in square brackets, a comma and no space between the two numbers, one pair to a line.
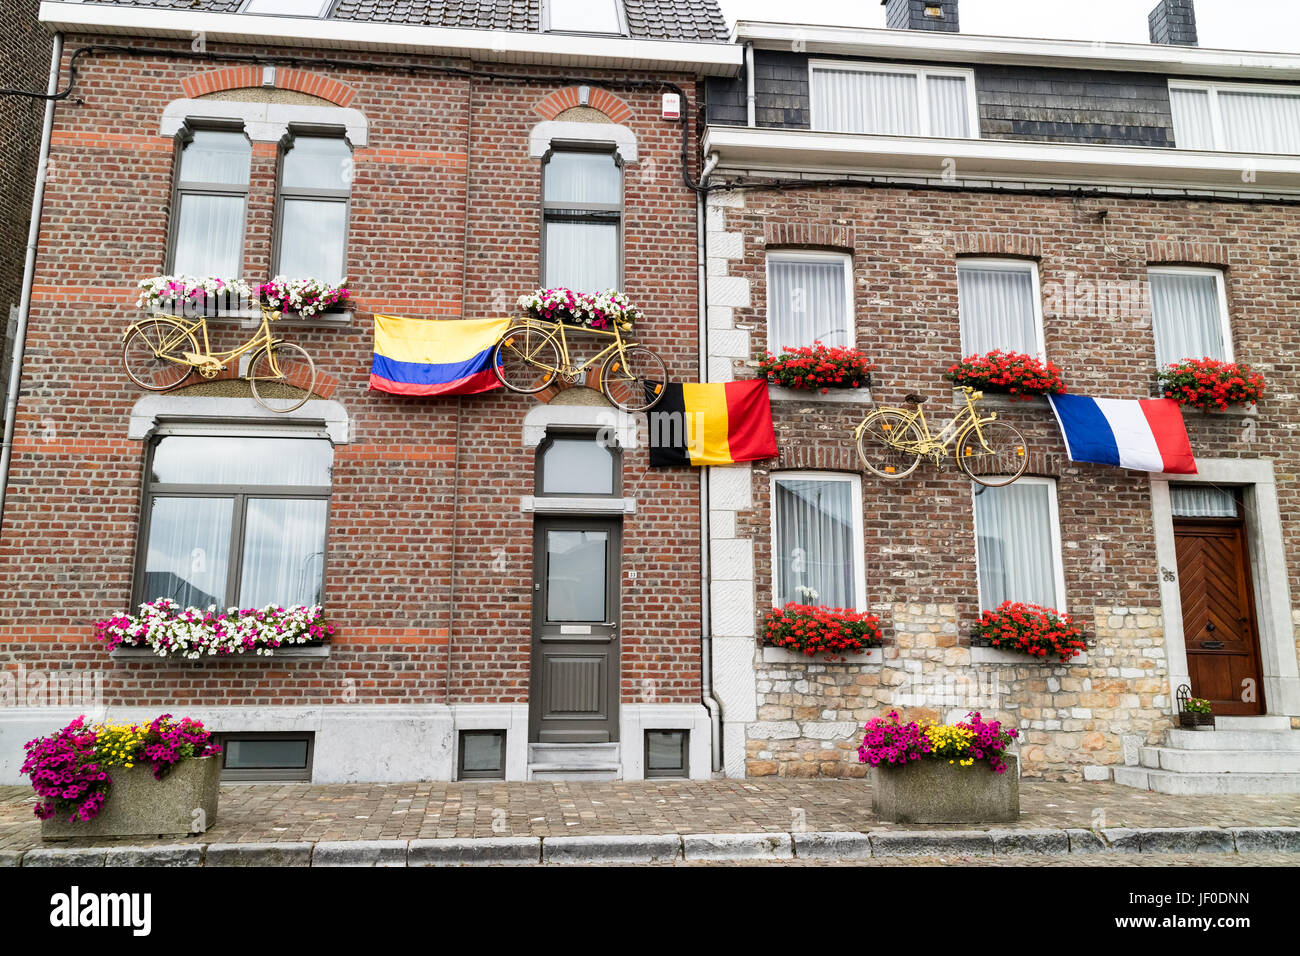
[576,463]
[892,100]
[1018,544]
[1202,501]
[482,755]
[1189,314]
[999,306]
[209,205]
[809,299]
[287,8]
[315,173]
[235,521]
[585,16]
[582,212]
[1242,118]
[817,550]
[666,753]
[266,756]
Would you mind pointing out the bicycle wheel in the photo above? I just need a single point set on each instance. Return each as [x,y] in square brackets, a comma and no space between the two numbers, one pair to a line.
[282,376]
[153,354]
[999,459]
[886,443]
[634,380]
[526,359]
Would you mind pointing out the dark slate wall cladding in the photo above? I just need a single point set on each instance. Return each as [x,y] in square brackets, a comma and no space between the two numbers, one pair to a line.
[781,89]
[1073,106]
[910,15]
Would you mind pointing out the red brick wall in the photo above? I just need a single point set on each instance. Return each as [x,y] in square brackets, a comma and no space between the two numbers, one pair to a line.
[445,223]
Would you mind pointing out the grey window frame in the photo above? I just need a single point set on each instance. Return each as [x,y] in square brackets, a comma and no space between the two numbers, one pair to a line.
[594,211]
[619,7]
[240,495]
[685,769]
[266,774]
[539,472]
[498,773]
[180,189]
[327,195]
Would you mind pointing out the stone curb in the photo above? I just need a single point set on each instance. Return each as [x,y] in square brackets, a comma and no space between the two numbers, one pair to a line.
[359,853]
[1266,839]
[258,854]
[738,846]
[612,849]
[832,845]
[931,843]
[484,851]
[180,854]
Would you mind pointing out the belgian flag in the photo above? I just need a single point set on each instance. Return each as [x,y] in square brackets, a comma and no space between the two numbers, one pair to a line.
[711,424]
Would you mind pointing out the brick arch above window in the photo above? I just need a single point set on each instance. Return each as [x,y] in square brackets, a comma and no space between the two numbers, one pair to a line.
[552,105]
[1187,253]
[265,122]
[281,78]
[808,234]
[799,455]
[997,244]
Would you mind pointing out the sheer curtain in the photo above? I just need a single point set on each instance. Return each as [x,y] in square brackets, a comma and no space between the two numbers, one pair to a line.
[815,550]
[1202,501]
[949,106]
[224,460]
[209,234]
[1193,128]
[284,552]
[317,162]
[582,177]
[1186,316]
[188,554]
[807,302]
[1014,546]
[312,236]
[1260,122]
[860,101]
[582,256]
[996,307]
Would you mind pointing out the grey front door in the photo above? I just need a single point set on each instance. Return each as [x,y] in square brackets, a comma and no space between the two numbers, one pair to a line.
[573,697]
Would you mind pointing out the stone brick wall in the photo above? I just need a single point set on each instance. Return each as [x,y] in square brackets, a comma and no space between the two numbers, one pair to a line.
[429,562]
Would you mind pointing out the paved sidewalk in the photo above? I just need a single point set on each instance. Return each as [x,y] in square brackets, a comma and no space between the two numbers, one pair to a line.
[1055,818]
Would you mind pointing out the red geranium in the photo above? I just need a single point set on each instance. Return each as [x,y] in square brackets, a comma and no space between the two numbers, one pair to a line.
[817,366]
[1011,372]
[1207,383]
[1037,631]
[812,629]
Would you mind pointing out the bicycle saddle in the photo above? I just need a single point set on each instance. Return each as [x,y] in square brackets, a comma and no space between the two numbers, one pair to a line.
[914,399]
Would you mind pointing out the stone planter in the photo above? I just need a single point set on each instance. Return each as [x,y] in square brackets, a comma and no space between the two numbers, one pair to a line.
[934,791]
[139,805]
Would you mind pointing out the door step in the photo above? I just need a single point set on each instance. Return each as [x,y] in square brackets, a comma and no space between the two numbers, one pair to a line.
[575,762]
[1205,784]
[1220,761]
[1228,761]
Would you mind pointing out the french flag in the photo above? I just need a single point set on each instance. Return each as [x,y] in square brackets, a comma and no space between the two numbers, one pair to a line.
[1146,435]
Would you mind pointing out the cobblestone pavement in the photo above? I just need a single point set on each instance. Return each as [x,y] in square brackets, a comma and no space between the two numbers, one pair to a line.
[304,812]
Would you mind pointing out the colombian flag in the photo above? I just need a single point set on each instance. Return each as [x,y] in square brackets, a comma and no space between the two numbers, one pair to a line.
[434,357]
[712,424]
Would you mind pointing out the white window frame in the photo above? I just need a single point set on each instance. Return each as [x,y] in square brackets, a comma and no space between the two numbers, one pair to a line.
[1220,284]
[322,7]
[1216,117]
[1007,264]
[1054,513]
[859,547]
[811,255]
[620,11]
[922,73]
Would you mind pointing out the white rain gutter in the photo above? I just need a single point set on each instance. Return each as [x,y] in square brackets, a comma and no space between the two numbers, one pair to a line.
[29,271]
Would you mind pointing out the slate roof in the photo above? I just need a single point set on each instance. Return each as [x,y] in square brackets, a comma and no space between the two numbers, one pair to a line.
[691,20]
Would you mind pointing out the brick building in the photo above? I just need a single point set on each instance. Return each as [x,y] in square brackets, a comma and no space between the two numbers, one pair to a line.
[415,521]
[923,195]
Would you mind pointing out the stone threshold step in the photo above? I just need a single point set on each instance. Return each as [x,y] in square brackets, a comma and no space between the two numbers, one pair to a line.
[1206,784]
[1286,741]
[1219,761]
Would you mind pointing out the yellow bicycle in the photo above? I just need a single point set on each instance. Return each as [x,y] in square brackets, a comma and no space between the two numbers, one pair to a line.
[161,352]
[892,440]
[533,353]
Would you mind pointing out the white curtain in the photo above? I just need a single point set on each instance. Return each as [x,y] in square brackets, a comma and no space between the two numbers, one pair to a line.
[815,550]
[1260,122]
[582,256]
[312,237]
[203,460]
[209,236]
[996,307]
[949,106]
[1013,534]
[807,302]
[216,156]
[1192,126]
[1202,501]
[1185,312]
[859,101]
[585,177]
[317,162]
[189,551]
[284,552]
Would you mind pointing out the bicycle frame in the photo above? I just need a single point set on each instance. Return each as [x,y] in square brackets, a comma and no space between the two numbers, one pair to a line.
[568,369]
[262,339]
[937,445]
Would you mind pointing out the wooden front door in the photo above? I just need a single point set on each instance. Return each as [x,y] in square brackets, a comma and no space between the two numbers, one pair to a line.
[1219,614]
[573,697]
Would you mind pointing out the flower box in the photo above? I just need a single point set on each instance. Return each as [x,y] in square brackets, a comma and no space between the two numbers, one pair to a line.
[303,298]
[194,296]
[1211,385]
[1009,373]
[183,802]
[167,630]
[817,368]
[1196,721]
[1036,632]
[933,791]
[813,630]
[597,310]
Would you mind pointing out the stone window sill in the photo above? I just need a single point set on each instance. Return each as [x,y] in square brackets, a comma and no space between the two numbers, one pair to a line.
[252,318]
[846,396]
[283,653]
[1001,400]
[784,655]
[998,655]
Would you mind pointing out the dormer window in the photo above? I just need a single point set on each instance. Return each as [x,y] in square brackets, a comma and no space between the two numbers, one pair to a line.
[287,8]
[1240,117]
[585,16]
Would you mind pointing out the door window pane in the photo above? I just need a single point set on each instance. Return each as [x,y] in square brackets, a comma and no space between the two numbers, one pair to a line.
[577,466]
[209,236]
[1202,501]
[1187,318]
[1015,547]
[997,308]
[807,301]
[224,460]
[312,239]
[815,551]
[188,553]
[582,256]
[284,552]
[576,575]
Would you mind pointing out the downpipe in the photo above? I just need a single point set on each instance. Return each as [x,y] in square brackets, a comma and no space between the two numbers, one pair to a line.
[706,630]
[29,271]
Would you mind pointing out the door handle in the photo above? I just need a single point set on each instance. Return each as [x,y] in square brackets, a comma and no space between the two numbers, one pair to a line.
[612,624]
[1210,627]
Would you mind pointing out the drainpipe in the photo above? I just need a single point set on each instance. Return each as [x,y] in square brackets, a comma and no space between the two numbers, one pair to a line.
[750,112]
[29,270]
[706,630]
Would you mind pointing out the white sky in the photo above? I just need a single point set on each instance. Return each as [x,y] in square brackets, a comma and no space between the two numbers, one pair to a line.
[1220,24]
